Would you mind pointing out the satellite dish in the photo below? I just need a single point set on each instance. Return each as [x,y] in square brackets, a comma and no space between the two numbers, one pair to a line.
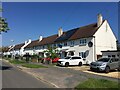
[90,44]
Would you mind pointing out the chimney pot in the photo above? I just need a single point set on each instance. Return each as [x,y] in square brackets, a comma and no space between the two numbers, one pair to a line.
[40,38]
[25,42]
[60,31]
[100,20]
[29,40]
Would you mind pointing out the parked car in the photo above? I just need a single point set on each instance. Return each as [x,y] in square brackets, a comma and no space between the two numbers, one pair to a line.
[55,60]
[106,64]
[71,60]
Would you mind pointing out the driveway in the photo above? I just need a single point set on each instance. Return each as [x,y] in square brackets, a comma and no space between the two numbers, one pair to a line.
[114,73]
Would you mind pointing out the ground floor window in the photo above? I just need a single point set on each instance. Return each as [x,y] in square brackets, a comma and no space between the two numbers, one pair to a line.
[109,55]
[82,54]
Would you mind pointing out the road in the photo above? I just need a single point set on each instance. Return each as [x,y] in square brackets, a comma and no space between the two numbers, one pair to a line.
[14,78]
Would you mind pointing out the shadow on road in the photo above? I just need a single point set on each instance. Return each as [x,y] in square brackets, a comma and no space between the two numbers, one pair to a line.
[5,67]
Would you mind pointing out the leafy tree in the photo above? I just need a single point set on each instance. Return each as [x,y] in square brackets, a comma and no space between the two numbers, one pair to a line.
[51,52]
[4,49]
[3,24]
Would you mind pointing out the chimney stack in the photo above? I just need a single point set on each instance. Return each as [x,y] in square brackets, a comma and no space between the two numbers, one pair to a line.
[40,38]
[99,20]
[25,42]
[29,40]
[60,31]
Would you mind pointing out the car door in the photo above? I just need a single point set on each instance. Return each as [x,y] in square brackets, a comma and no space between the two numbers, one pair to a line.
[116,64]
[74,61]
[112,63]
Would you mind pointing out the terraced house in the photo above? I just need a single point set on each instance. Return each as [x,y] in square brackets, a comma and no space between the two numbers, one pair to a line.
[17,49]
[87,41]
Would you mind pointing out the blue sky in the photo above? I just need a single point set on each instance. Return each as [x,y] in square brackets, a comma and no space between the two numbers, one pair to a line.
[30,20]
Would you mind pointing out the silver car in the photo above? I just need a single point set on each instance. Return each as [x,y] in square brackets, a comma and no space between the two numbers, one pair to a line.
[105,64]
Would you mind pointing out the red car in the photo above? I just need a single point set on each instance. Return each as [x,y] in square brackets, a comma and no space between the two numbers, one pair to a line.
[55,60]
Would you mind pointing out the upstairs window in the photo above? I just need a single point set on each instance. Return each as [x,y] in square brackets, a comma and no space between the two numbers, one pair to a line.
[83,41]
[113,55]
[43,47]
[65,43]
[72,43]
[54,45]
[109,55]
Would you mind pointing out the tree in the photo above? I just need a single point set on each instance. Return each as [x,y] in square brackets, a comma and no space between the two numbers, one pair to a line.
[51,52]
[3,24]
[4,49]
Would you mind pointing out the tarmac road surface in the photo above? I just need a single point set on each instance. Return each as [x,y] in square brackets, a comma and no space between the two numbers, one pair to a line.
[14,78]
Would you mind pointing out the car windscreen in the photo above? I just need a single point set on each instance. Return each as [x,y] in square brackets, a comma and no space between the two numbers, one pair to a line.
[104,59]
[67,57]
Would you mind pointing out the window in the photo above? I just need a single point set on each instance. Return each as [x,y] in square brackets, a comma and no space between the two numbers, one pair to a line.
[109,55]
[67,57]
[71,53]
[72,43]
[76,58]
[116,59]
[118,55]
[113,55]
[113,60]
[59,45]
[54,45]
[103,59]
[65,43]
[43,47]
[83,41]
[82,54]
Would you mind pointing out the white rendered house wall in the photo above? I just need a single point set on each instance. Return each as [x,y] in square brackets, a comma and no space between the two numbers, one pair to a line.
[104,39]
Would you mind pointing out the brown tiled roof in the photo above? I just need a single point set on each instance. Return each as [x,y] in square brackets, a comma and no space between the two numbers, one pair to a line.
[85,31]
[48,40]
[32,44]
[66,35]
[81,32]
[18,46]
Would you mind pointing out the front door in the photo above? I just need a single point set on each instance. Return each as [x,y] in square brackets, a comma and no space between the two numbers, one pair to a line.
[63,54]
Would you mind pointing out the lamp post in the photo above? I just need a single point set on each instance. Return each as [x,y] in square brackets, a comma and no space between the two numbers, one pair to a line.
[12,48]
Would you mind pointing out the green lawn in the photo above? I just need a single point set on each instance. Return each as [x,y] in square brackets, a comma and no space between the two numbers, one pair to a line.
[97,83]
[16,62]
[33,66]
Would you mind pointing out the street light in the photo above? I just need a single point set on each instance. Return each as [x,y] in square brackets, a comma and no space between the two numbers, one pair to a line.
[12,47]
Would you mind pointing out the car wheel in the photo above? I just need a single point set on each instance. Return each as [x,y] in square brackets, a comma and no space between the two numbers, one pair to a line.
[119,69]
[66,64]
[91,69]
[80,63]
[107,69]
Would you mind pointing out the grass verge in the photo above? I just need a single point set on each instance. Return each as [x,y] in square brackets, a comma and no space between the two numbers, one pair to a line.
[16,62]
[97,83]
[33,66]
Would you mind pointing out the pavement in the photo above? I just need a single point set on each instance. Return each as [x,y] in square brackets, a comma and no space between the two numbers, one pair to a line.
[14,78]
[62,77]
